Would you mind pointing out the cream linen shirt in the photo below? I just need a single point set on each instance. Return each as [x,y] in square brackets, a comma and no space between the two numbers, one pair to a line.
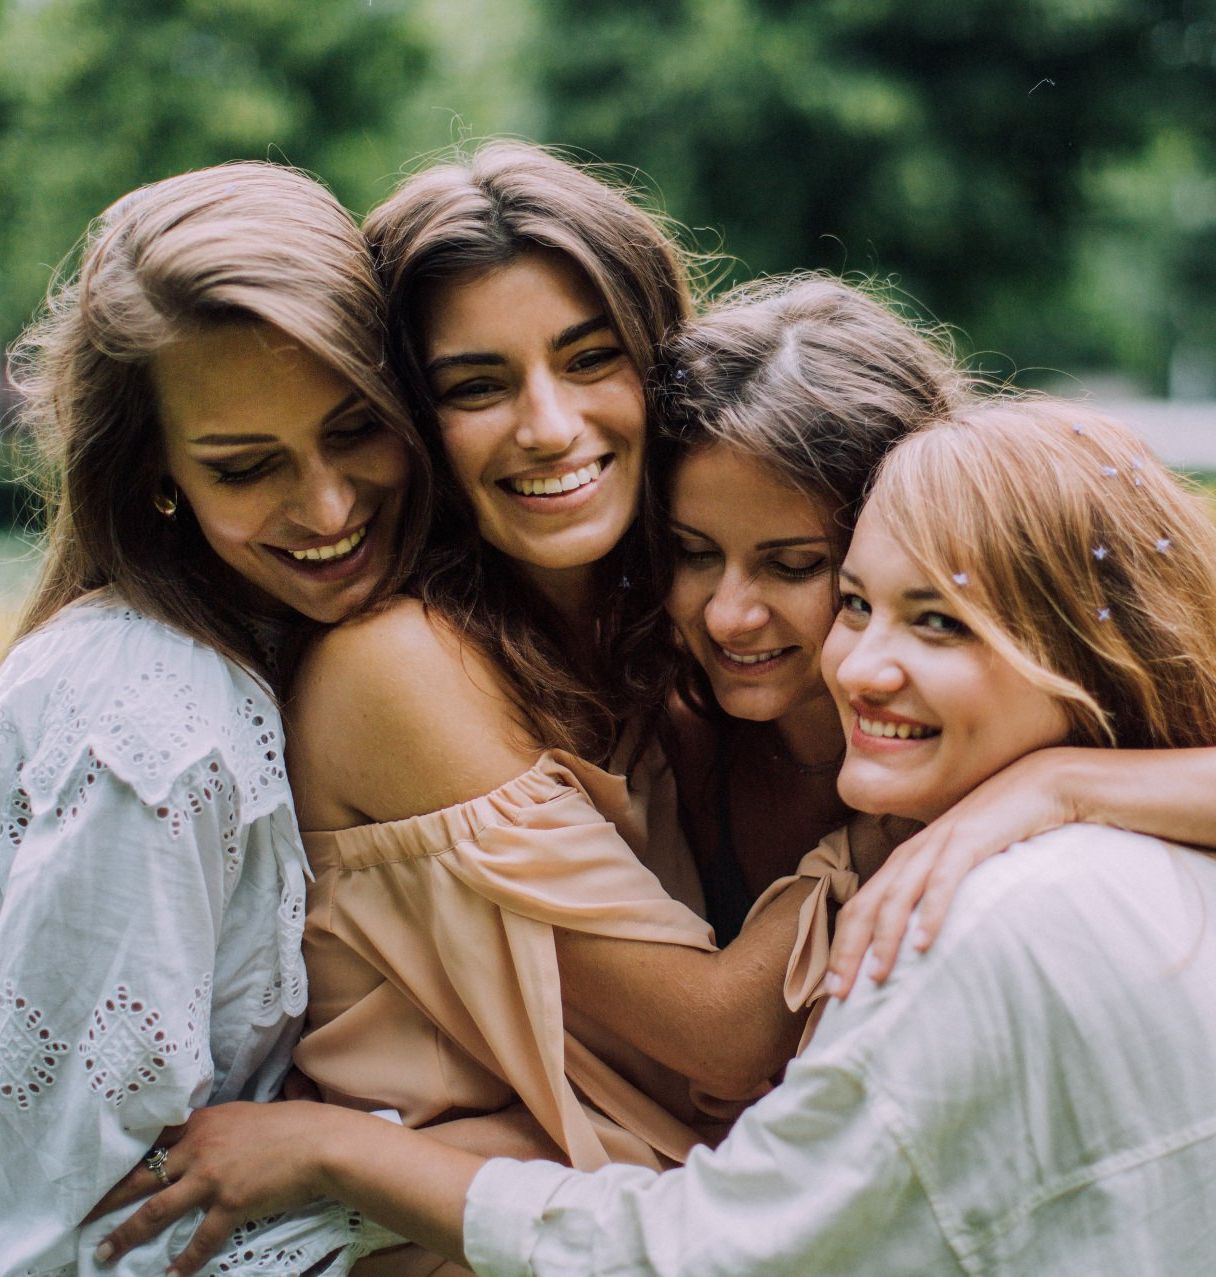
[1035,1095]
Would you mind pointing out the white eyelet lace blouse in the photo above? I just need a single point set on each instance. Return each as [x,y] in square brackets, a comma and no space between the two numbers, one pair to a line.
[151,906]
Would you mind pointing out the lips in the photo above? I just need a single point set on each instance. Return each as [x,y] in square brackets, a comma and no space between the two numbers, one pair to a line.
[332,559]
[569,478]
[334,550]
[745,663]
[874,724]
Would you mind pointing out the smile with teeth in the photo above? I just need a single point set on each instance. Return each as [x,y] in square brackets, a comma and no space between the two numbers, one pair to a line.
[750,658]
[336,550]
[903,731]
[554,485]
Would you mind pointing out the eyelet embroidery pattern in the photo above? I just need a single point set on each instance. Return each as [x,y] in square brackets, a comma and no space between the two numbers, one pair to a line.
[292,985]
[340,1232]
[201,786]
[29,1051]
[257,754]
[14,821]
[61,1270]
[126,1046]
[197,1042]
[65,730]
[70,810]
[157,707]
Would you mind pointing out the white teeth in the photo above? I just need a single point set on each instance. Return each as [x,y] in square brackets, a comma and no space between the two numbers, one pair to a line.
[751,659]
[551,485]
[338,550]
[905,731]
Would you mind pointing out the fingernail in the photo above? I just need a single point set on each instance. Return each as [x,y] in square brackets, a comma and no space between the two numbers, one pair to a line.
[920,939]
[832,984]
[872,968]
[104,1252]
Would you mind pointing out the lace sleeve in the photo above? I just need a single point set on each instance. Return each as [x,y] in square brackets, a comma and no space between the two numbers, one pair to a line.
[108,931]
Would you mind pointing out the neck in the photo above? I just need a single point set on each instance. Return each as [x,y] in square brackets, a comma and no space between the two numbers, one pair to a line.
[811,733]
[572,594]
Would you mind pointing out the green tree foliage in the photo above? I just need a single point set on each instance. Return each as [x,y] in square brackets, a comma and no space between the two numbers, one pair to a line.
[1039,172]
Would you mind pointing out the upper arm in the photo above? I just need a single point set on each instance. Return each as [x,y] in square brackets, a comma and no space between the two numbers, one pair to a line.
[392,716]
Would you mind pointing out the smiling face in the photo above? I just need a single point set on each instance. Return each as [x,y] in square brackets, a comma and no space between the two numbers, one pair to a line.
[541,410]
[929,710]
[296,486]
[752,593]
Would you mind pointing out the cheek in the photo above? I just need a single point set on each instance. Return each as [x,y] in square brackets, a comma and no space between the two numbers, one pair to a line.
[467,450]
[686,602]
[836,647]
[816,616]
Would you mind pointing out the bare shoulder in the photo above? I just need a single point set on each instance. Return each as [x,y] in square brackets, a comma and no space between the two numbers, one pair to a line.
[394,714]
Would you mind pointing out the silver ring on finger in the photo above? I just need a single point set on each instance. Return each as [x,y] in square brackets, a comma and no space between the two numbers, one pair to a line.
[155,1161]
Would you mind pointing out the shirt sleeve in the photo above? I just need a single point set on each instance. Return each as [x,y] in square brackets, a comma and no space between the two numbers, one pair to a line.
[108,931]
[812,1180]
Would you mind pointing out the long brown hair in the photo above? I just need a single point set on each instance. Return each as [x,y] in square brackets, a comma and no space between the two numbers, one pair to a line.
[476,213]
[237,243]
[1064,544]
[811,377]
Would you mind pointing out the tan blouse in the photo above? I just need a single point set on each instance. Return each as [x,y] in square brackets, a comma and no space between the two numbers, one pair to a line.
[433,978]
[434,986]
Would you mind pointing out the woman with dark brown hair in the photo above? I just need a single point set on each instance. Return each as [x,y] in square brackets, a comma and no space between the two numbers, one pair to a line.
[225,466]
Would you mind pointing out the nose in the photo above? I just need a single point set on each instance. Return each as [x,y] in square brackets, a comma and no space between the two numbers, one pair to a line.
[736,607]
[870,666]
[322,498]
[549,420]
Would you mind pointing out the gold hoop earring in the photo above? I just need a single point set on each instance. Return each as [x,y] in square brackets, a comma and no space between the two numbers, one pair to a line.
[166,504]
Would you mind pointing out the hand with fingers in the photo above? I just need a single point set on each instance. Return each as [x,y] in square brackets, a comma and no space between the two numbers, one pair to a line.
[233,1162]
[925,871]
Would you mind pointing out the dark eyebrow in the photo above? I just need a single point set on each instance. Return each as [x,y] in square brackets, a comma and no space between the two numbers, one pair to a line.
[785,542]
[469,359]
[576,332]
[486,358]
[677,526]
[232,441]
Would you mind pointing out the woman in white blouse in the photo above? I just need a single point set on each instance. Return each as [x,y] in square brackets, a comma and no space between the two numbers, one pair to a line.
[224,460]
[1033,1094]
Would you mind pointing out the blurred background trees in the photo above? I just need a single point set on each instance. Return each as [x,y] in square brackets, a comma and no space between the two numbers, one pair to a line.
[1039,173]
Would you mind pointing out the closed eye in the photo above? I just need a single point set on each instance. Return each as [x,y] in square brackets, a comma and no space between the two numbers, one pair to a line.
[225,473]
[798,571]
[695,552]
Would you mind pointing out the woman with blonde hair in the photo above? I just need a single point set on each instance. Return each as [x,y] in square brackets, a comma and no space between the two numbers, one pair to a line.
[225,465]
[986,1108]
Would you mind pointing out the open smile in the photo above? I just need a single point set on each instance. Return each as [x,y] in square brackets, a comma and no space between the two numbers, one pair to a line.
[875,727]
[752,663]
[333,558]
[558,483]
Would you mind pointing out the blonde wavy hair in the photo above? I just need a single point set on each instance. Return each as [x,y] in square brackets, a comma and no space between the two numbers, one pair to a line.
[1075,554]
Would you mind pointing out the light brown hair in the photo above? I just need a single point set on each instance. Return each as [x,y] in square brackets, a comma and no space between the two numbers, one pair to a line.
[810,376]
[1064,544]
[452,221]
[238,243]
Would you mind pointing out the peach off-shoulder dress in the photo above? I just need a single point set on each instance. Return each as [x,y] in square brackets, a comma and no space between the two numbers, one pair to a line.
[433,981]
[433,978]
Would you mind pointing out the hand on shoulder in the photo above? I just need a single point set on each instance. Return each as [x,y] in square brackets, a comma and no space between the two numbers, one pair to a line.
[393,715]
